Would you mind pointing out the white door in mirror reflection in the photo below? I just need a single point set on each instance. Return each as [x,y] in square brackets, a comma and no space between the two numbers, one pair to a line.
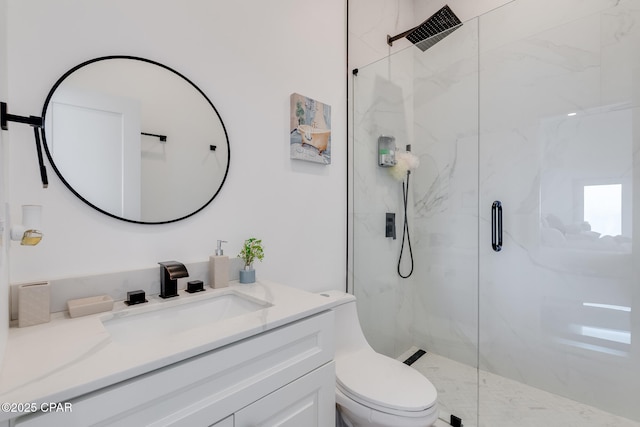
[96,143]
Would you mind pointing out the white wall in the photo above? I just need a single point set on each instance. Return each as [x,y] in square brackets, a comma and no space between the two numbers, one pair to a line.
[4,271]
[464,9]
[248,57]
[370,21]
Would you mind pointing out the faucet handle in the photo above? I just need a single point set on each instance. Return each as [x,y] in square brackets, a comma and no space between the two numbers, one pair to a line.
[135,297]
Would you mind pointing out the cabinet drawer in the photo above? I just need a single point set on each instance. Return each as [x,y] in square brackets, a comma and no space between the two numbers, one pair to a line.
[205,389]
[308,401]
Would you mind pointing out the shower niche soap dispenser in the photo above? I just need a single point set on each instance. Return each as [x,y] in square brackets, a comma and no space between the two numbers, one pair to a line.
[386,151]
[219,268]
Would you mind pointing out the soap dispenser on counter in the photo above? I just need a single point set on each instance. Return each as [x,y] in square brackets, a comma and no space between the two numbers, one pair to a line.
[219,268]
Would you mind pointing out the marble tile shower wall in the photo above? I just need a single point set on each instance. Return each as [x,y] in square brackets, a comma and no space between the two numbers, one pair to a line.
[486,111]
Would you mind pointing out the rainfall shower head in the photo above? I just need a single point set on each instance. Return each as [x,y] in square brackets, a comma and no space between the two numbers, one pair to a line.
[438,26]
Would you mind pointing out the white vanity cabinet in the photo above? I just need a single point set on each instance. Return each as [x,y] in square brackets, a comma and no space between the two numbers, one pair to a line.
[281,377]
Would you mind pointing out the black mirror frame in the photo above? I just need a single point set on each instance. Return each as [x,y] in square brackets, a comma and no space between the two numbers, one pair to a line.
[55,168]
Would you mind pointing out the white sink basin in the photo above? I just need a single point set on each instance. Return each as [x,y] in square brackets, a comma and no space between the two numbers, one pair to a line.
[160,321]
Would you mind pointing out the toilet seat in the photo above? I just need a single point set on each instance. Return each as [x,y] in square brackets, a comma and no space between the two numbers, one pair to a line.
[384,384]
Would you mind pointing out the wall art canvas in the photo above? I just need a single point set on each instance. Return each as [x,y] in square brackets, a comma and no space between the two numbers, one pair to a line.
[310,125]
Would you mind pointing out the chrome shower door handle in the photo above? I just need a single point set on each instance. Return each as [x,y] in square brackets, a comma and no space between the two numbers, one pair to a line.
[496,226]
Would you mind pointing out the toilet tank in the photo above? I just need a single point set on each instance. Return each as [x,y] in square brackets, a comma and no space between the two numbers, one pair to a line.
[348,333]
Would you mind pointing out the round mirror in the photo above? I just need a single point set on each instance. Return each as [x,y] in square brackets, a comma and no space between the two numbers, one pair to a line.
[135,139]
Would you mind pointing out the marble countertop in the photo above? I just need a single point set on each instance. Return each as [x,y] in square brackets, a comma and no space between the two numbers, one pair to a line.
[68,357]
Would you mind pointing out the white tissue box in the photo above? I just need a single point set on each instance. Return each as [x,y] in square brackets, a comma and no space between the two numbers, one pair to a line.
[90,305]
[33,304]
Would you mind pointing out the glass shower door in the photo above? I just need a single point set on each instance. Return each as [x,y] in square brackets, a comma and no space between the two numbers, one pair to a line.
[558,148]
[428,100]
[383,106]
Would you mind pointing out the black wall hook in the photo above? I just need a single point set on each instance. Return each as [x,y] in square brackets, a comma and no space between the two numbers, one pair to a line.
[36,123]
[162,138]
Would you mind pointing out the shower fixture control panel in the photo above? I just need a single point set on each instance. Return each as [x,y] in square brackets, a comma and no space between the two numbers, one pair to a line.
[390,225]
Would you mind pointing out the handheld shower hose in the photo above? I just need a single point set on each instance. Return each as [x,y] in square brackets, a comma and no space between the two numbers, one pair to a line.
[401,170]
[405,230]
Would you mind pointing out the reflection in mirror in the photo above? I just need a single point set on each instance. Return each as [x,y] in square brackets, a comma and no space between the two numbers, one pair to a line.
[135,139]
[586,229]
[585,186]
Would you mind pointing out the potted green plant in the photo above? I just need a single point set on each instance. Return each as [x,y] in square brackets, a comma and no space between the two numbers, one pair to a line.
[251,250]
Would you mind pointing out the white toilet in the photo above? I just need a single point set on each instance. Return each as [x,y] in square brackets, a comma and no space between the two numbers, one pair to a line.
[374,390]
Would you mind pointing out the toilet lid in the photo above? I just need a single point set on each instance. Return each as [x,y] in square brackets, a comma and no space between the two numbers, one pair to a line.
[383,381]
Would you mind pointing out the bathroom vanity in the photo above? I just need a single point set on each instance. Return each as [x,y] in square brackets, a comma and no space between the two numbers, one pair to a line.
[246,355]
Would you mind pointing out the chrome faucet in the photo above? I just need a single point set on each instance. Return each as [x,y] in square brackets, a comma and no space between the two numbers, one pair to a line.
[170,272]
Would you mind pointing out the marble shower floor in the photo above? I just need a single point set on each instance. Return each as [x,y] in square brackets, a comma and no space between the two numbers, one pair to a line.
[504,402]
